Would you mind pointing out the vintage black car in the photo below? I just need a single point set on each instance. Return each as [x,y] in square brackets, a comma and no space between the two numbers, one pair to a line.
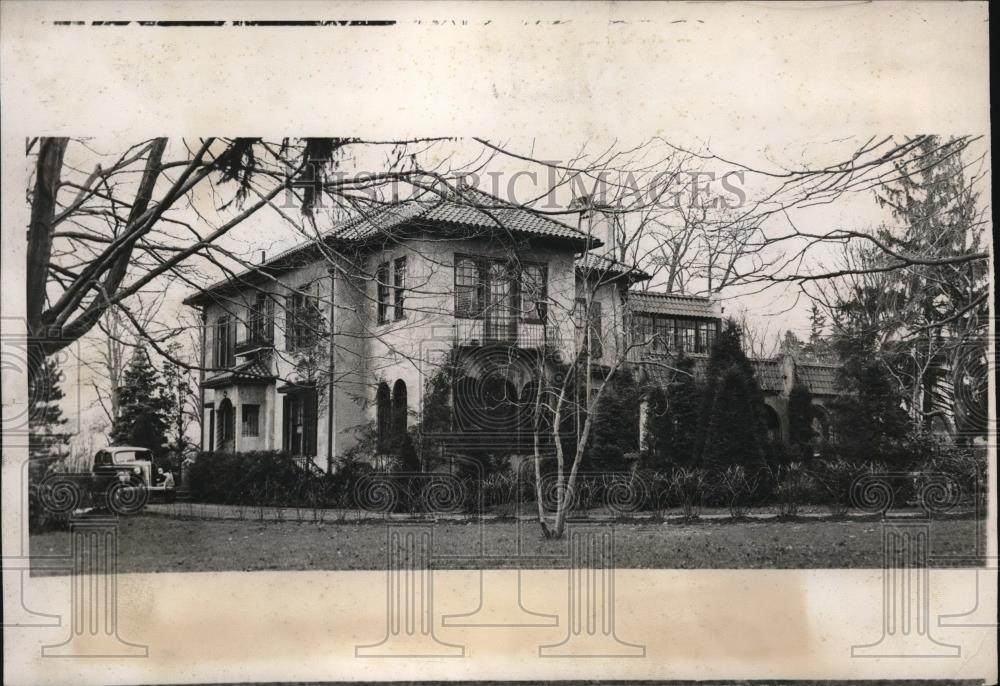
[129,477]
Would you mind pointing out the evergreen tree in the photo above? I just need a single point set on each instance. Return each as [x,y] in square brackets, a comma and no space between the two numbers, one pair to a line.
[672,416]
[817,348]
[731,426]
[940,306]
[178,389]
[800,416]
[145,407]
[735,433]
[685,399]
[868,420]
[615,430]
[47,442]
[817,324]
[657,429]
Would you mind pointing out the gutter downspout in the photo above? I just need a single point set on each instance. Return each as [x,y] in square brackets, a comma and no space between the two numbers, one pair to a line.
[330,427]
[201,379]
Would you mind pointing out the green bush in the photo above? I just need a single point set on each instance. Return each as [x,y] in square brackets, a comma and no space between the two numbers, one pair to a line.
[964,468]
[834,479]
[258,478]
[736,488]
[689,486]
[794,487]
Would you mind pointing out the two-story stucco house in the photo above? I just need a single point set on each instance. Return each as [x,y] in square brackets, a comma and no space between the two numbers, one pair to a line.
[307,348]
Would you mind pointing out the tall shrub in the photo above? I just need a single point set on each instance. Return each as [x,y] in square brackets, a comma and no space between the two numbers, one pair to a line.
[800,416]
[868,421]
[731,426]
[616,425]
[144,407]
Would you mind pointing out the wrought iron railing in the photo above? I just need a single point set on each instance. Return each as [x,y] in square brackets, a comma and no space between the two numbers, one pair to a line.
[504,331]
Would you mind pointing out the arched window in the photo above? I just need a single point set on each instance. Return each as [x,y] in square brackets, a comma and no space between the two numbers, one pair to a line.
[399,411]
[773,423]
[383,417]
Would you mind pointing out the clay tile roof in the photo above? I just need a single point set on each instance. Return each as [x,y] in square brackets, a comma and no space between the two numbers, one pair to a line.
[607,265]
[819,379]
[672,304]
[255,371]
[470,209]
[769,374]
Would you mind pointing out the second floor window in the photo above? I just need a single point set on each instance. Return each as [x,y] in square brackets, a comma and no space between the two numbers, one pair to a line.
[686,335]
[305,321]
[656,332]
[495,289]
[382,295]
[224,342]
[665,334]
[534,292]
[469,287]
[399,288]
[260,320]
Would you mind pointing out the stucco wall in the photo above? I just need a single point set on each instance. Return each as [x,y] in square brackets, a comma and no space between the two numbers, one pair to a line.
[366,353]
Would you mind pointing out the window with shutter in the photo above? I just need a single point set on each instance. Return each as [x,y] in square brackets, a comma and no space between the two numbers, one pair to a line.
[468,285]
[399,288]
[534,292]
[224,343]
[382,292]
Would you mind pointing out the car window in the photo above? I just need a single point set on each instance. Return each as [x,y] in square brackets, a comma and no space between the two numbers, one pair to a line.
[102,458]
[126,456]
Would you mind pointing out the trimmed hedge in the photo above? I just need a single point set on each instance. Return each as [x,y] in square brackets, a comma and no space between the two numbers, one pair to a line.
[951,476]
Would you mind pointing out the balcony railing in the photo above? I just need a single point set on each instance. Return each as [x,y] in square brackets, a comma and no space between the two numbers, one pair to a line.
[511,332]
[260,334]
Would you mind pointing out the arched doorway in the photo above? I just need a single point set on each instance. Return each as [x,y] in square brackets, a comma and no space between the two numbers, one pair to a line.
[226,436]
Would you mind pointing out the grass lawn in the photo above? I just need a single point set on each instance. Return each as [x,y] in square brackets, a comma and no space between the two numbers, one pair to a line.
[150,543]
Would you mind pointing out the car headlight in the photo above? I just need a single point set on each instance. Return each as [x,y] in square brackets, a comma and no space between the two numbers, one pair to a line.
[136,470]
[123,477]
